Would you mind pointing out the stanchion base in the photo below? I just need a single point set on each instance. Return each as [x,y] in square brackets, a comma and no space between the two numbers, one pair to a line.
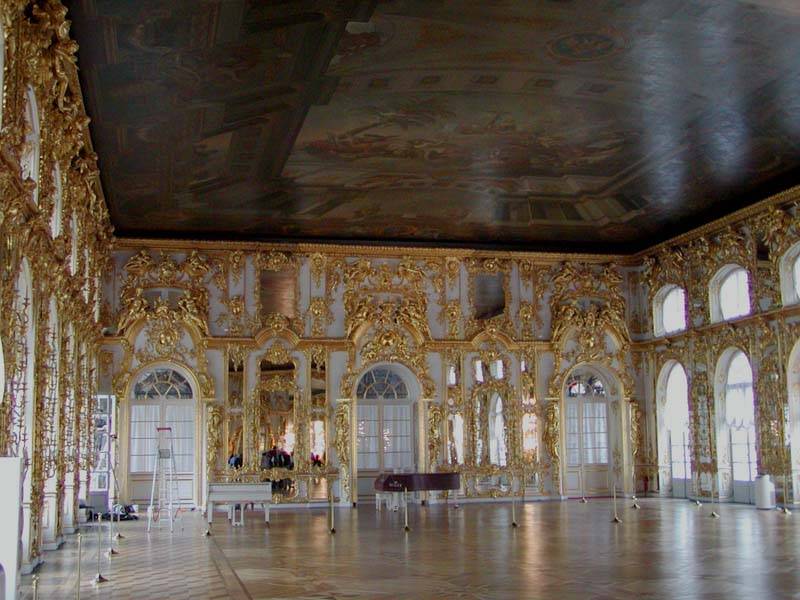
[616,520]
[636,506]
[514,524]
[786,511]
[98,579]
[714,515]
[584,501]
[456,507]
[698,503]
[207,533]
[119,536]
[112,552]
[333,530]
[407,528]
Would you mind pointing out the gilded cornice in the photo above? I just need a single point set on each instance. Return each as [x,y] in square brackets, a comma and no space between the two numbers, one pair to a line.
[361,250]
[786,197]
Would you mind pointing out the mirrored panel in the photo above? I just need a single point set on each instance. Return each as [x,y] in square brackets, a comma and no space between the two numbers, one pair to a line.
[490,297]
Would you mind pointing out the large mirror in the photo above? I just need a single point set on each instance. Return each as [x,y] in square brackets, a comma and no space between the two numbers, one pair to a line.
[318,426]
[490,299]
[276,423]
[455,438]
[318,431]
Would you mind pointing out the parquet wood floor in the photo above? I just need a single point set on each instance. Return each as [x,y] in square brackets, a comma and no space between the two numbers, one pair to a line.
[561,550]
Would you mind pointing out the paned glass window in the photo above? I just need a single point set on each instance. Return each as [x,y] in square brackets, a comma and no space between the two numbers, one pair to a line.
[163,398]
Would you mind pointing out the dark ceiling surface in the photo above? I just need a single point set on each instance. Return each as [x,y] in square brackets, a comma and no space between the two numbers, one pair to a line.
[607,125]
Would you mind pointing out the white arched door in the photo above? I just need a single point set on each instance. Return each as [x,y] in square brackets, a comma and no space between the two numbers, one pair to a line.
[161,398]
[675,436]
[586,437]
[385,439]
[737,427]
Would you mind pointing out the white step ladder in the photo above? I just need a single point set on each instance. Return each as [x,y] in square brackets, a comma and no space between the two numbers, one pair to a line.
[164,472]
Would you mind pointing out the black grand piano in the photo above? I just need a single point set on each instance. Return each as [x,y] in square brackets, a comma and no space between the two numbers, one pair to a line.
[402,483]
[417,482]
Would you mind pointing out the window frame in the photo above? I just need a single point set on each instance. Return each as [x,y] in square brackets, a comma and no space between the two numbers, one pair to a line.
[716,285]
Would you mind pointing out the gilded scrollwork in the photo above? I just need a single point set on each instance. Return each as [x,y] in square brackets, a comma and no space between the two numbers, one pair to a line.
[342,443]
[320,315]
[434,434]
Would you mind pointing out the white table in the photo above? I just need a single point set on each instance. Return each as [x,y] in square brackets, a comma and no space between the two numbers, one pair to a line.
[241,494]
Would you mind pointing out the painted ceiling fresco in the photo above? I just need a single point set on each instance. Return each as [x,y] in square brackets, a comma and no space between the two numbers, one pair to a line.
[605,124]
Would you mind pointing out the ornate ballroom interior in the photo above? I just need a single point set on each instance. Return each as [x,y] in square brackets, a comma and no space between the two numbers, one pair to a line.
[550,251]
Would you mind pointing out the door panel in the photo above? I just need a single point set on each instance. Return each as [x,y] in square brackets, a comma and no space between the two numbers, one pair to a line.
[587,446]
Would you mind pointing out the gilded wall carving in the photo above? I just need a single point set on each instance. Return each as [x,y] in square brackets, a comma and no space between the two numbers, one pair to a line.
[56,239]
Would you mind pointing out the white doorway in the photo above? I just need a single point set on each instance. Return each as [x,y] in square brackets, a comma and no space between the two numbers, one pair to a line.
[586,427]
[162,397]
[675,456]
[385,435]
[736,432]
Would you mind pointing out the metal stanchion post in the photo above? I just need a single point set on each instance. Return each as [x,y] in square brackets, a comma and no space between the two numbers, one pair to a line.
[513,512]
[616,518]
[111,551]
[117,536]
[405,512]
[331,509]
[785,510]
[714,514]
[80,552]
[98,579]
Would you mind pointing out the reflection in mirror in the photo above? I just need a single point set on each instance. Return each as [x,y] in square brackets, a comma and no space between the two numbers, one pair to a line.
[318,485]
[530,444]
[235,383]
[479,371]
[490,299]
[317,430]
[500,483]
[497,432]
[496,369]
[452,375]
[477,427]
[278,293]
[235,448]
[455,439]
[276,411]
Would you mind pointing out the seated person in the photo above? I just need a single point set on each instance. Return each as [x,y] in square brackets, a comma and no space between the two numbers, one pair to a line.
[235,461]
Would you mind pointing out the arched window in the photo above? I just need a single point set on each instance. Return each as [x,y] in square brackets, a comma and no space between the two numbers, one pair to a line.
[740,417]
[497,432]
[675,445]
[669,310]
[736,425]
[729,293]
[384,432]
[789,270]
[162,398]
[796,275]
[30,156]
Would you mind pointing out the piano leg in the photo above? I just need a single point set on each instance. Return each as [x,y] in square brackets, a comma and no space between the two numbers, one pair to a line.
[265,506]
